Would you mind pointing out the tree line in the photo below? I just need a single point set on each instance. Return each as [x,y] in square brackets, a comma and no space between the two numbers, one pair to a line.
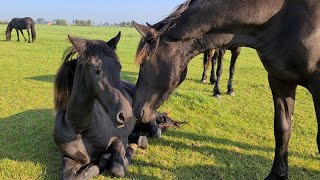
[79,22]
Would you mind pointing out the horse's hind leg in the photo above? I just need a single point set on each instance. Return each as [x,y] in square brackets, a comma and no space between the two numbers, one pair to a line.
[28,35]
[23,35]
[206,63]
[283,97]
[216,90]
[74,170]
[234,56]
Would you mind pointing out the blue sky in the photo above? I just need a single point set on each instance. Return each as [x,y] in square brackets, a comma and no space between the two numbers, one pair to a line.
[98,10]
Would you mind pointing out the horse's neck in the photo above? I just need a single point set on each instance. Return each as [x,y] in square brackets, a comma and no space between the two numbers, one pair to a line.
[229,23]
[81,104]
[128,90]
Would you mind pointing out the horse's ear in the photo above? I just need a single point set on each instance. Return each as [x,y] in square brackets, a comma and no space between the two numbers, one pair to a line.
[145,31]
[78,43]
[149,25]
[114,41]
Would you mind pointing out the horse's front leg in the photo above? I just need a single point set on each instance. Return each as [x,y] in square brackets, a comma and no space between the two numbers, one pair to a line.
[18,35]
[284,97]
[75,170]
[234,56]
[315,91]
[213,78]
[23,35]
[120,157]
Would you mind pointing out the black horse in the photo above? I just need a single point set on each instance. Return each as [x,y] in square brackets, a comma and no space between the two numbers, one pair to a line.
[285,33]
[19,24]
[94,121]
[213,57]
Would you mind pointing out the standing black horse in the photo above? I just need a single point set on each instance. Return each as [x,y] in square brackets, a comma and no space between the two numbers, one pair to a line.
[213,57]
[285,33]
[19,24]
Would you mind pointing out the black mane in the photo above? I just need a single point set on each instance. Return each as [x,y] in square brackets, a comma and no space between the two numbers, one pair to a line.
[147,47]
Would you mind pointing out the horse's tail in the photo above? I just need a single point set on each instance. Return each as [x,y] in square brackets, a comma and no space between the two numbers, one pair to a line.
[64,80]
[33,32]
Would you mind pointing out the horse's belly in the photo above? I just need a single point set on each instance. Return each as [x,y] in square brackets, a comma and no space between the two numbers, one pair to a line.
[291,69]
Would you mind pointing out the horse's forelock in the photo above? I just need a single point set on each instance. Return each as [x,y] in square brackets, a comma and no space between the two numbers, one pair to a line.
[94,48]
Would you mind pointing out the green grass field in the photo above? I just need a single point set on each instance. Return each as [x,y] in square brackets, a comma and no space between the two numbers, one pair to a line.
[231,138]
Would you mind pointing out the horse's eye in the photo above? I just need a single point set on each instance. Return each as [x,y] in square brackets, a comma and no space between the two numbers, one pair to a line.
[97,71]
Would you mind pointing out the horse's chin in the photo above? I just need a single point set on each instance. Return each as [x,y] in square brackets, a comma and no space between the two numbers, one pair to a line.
[149,117]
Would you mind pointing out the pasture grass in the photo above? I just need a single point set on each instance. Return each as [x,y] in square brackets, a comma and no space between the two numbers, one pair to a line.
[231,138]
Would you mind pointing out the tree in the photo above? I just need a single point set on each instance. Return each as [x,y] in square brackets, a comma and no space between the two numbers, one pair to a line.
[41,21]
[77,22]
[61,22]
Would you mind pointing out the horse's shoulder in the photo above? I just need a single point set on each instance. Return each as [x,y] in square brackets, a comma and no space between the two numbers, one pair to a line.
[63,130]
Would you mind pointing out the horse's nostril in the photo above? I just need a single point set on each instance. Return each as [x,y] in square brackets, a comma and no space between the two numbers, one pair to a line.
[120,117]
[142,113]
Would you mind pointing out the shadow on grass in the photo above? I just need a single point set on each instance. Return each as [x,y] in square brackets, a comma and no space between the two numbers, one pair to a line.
[125,75]
[234,165]
[27,137]
[43,78]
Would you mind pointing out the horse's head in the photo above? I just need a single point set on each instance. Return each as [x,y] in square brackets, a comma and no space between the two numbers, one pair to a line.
[8,34]
[100,69]
[161,71]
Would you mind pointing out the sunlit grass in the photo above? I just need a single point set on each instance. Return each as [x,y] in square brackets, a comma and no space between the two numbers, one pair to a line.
[231,138]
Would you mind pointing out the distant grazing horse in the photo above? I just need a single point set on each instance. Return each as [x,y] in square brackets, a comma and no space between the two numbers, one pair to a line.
[94,120]
[216,56]
[285,33]
[19,24]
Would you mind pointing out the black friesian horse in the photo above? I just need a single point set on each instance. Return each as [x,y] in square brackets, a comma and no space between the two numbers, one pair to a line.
[213,57]
[285,33]
[19,24]
[94,121]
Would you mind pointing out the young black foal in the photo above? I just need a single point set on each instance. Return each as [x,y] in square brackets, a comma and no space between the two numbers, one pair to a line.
[19,24]
[211,58]
[93,111]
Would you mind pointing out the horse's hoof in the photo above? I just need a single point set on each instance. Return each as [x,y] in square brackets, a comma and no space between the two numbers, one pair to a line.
[231,93]
[218,96]
[93,171]
[212,82]
[89,172]
[117,170]
[158,135]
[143,142]
[104,160]
[273,176]
[203,81]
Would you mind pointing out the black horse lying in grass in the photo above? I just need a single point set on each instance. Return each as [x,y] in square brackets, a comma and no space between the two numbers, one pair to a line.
[94,120]
[19,24]
[214,56]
